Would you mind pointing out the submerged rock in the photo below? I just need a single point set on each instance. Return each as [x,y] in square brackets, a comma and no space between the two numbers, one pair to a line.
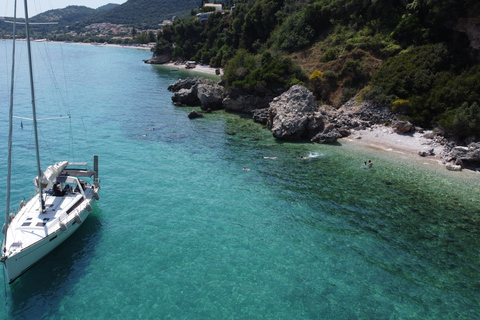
[194,114]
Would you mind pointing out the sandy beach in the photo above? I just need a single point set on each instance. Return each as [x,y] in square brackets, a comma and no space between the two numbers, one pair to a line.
[180,66]
[198,68]
[384,138]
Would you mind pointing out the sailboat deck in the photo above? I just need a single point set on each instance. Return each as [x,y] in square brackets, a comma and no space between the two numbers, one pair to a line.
[33,225]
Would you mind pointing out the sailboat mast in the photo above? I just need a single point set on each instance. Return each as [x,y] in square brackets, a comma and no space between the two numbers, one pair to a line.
[34,111]
[10,125]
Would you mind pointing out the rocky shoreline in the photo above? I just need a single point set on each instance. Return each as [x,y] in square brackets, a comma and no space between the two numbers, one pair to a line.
[295,116]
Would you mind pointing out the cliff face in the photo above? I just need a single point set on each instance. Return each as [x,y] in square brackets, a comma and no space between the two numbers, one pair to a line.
[470,26]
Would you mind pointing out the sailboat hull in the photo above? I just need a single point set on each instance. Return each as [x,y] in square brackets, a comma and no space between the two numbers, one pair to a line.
[54,234]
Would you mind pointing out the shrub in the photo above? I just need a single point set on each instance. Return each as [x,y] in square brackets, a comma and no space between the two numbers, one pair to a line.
[329,55]
[463,121]
[401,106]
[378,96]
[260,73]
[316,76]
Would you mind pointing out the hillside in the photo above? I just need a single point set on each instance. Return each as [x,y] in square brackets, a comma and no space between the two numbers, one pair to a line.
[65,16]
[148,13]
[107,7]
[143,14]
[419,58]
[83,24]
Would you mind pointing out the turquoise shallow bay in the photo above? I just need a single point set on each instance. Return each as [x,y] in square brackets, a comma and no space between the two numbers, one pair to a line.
[182,232]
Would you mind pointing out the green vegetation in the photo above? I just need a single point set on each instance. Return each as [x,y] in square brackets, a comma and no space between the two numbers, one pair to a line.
[410,55]
[396,53]
[145,13]
[440,88]
[262,74]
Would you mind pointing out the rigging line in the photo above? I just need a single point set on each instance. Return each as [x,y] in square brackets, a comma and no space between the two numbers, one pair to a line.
[71,152]
[5,290]
[67,104]
[44,119]
[10,139]
[46,145]
[85,137]
[47,60]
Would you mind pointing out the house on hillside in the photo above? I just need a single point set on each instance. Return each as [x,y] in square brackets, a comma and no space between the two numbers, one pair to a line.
[203,16]
[218,7]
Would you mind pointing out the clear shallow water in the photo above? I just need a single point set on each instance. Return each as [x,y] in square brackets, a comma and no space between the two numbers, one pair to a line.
[182,232]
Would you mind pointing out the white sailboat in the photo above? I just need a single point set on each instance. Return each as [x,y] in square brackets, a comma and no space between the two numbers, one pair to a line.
[64,196]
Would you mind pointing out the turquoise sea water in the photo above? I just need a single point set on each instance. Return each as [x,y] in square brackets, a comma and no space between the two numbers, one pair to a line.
[181,231]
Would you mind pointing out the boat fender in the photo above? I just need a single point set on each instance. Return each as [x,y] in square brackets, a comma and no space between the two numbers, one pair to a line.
[4,228]
[11,216]
[97,197]
[89,208]
[78,218]
[63,226]
[22,204]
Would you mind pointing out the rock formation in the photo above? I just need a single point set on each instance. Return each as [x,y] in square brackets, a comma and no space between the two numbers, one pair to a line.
[159,59]
[239,101]
[198,92]
[294,115]
[465,157]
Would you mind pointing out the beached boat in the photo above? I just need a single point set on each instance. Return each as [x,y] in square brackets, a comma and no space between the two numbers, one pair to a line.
[65,193]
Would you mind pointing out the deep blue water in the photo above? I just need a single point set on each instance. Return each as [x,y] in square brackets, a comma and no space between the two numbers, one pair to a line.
[181,231]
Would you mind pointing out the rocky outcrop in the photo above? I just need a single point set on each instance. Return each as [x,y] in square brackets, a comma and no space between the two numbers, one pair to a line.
[426,152]
[466,157]
[366,114]
[294,115]
[188,83]
[159,59]
[194,114]
[198,92]
[260,115]
[210,96]
[239,101]
[402,127]
[327,137]
[185,97]
[453,167]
